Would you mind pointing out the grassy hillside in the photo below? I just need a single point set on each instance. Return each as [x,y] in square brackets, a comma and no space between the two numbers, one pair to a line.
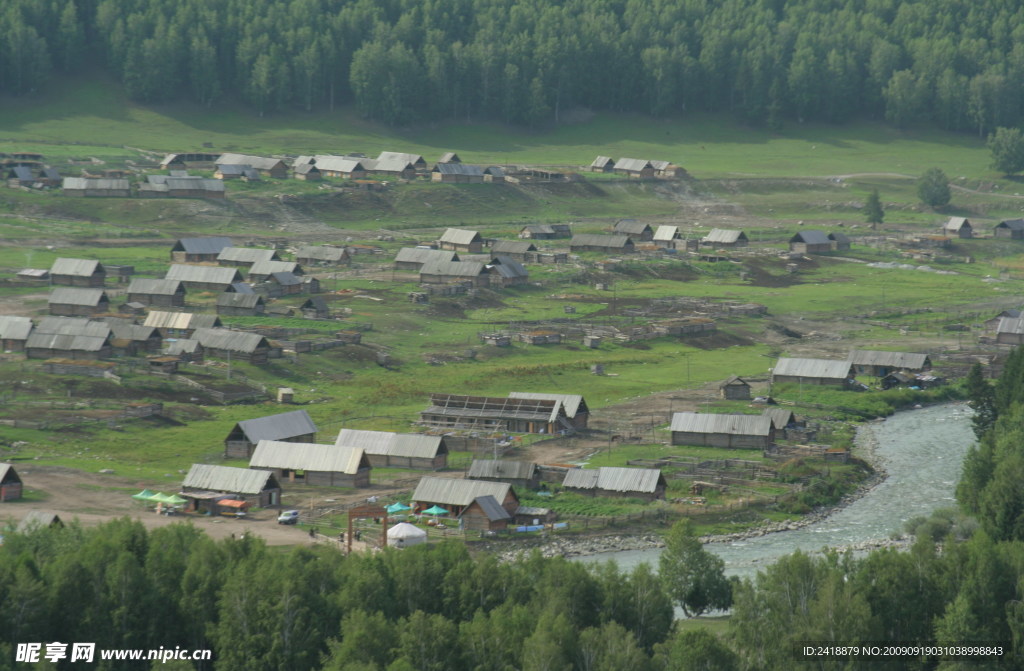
[91,117]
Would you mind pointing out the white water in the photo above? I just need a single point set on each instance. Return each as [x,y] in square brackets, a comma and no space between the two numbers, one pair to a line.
[922,452]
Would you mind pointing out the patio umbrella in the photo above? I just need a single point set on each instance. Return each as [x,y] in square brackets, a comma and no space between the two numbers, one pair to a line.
[144,495]
[435,510]
[397,507]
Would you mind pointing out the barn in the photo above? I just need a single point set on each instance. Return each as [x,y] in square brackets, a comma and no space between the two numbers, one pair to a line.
[262,271]
[609,244]
[810,242]
[14,331]
[643,483]
[735,389]
[38,519]
[520,474]
[204,278]
[268,167]
[782,419]
[445,272]
[78,273]
[69,338]
[415,160]
[227,171]
[237,345]
[241,305]
[479,413]
[450,157]
[345,167]
[602,164]
[206,485]
[725,237]
[639,168]
[666,236]
[245,257]
[413,258]
[181,324]
[88,187]
[1010,331]
[322,255]
[198,250]
[292,427]
[485,514]
[132,339]
[312,464]
[506,272]
[714,430]
[840,242]
[880,364]
[457,495]
[398,450]
[315,307]
[574,405]
[457,173]
[77,302]
[458,240]
[958,227]
[1011,229]
[636,230]
[514,249]
[813,371]
[157,293]
[10,483]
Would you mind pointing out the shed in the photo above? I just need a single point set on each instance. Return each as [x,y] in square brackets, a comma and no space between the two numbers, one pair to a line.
[485,513]
[268,167]
[417,161]
[38,519]
[493,173]
[457,173]
[645,483]
[634,167]
[245,257]
[506,272]
[307,172]
[315,307]
[391,167]
[575,406]
[241,305]
[186,349]
[602,164]
[78,272]
[813,371]
[1012,229]
[403,535]
[609,244]
[205,485]
[725,237]
[458,240]
[398,450]
[14,331]
[313,464]
[880,364]
[637,230]
[533,516]
[181,324]
[69,338]
[454,411]
[10,483]
[782,418]
[263,270]
[1010,331]
[293,427]
[714,430]
[204,278]
[87,187]
[322,255]
[810,242]
[345,167]
[515,249]
[521,474]
[457,495]
[413,258]
[127,337]
[450,157]
[238,345]
[77,302]
[958,227]
[198,250]
[156,292]
[840,242]
[735,389]
[665,236]
[443,272]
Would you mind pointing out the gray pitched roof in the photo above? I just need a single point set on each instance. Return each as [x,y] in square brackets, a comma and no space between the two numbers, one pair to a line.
[820,368]
[780,416]
[633,164]
[180,320]
[1011,325]
[512,247]
[458,169]
[201,245]
[956,223]
[276,427]
[631,227]
[596,240]
[457,405]
[77,296]
[498,468]
[83,183]
[345,164]
[452,268]
[7,471]
[76,267]
[811,238]
[228,479]
[743,425]
[867,357]
[507,267]
[308,457]
[450,157]
[247,254]
[37,519]
[242,288]
[724,236]
[203,274]
[14,328]
[417,255]
[321,253]
[419,445]
[271,267]
[449,491]
[458,236]
[666,233]
[258,162]
[237,300]
[154,287]
[839,237]
[183,346]
[1012,224]
[80,343]
[491,508]
[399,156]
[123,329]
[602,161]
[225,339]
[571,402]
[74,326]
[641,480]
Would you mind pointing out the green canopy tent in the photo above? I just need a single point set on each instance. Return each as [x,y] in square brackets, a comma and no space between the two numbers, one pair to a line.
[398,508]
[144,495]
[435,510]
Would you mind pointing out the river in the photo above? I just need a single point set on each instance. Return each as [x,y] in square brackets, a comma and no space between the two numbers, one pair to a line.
[921,452]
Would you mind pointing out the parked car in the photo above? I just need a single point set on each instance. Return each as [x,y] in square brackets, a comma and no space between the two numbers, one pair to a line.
[288,517]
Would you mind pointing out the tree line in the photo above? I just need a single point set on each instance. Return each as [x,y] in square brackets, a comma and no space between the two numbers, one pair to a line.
[951,62]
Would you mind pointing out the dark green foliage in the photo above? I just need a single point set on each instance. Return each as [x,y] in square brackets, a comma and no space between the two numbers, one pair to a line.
[692,576]
[873,212]
[981,396]
[1007,147]
[933,188]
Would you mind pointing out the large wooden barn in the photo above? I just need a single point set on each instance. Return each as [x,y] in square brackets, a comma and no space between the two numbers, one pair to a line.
[69,338]
[312,464]
[14,331]
[241,305]
[725,237]
[609,244]
[77,302]
[244,257]
[813,371]
[480,413]
[238,345]
[198,250]
[157,293]
[205,486]
[880,364]
[456,495]
[1010,331]
[714,430]
[636,230]
[181,324]
[398,450]
[459,240]
[643,483]
[78,273]
[810,242]
[322,255]
[292,427]
[413,258]
[268,167]
[574,405]
[204,278]
[446,272]
[521,474]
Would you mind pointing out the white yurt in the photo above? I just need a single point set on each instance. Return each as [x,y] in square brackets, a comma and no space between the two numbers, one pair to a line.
[404,534]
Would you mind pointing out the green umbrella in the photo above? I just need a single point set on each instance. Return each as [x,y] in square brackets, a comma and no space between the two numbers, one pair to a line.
[435,510]
[144,495]
[398,507]
[170,499]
